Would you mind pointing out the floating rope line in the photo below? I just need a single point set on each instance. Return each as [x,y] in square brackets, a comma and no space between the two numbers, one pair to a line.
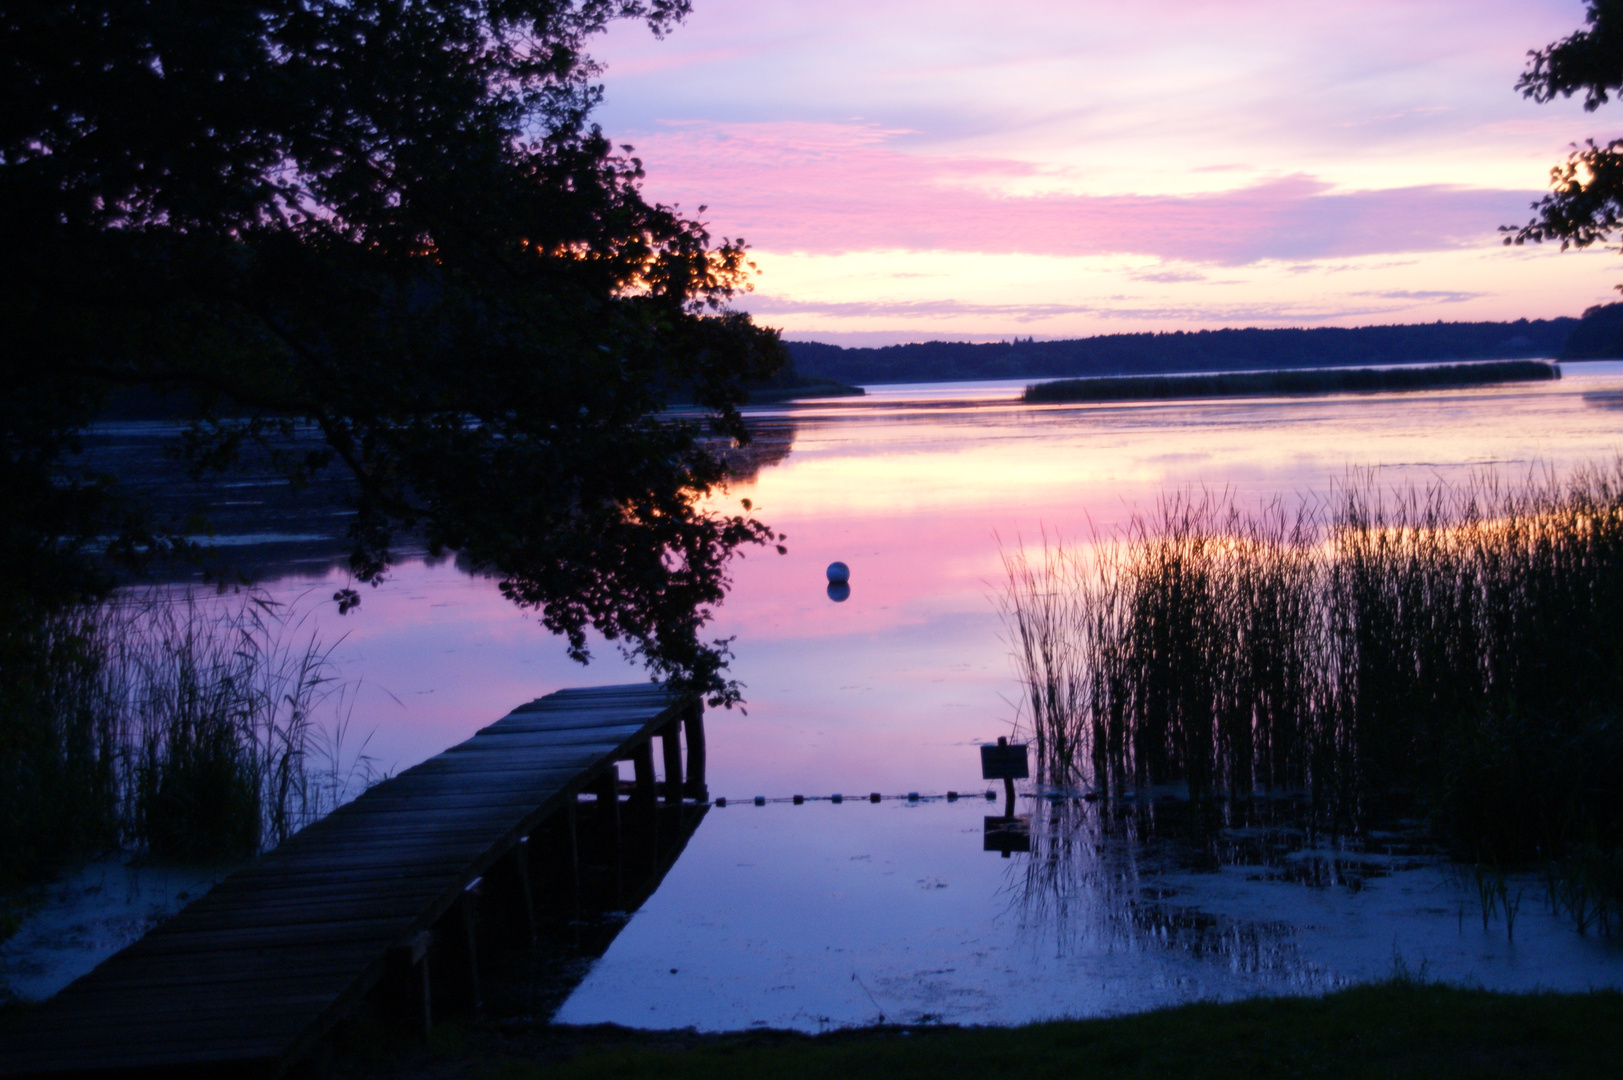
[871,797]
[1052,796]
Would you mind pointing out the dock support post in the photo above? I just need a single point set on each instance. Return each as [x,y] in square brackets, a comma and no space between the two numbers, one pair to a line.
[693,729]
[670,741]
[526,895]
[408,979]
[571,826]
[422,981]
[607,789]
[647,799]
[643,759]
[470,934]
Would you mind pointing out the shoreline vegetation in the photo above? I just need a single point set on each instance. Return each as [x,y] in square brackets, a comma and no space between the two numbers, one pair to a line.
[802,387]
[167,725]
[1460,647]
[1272,383]
[1596,336]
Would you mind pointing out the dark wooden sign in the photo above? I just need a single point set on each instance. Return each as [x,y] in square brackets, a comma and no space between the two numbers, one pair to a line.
[1004,762]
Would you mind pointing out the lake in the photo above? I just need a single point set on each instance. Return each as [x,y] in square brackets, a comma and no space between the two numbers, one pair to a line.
[827,914]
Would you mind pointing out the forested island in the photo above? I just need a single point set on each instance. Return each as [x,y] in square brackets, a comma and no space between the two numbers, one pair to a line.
[1598,334]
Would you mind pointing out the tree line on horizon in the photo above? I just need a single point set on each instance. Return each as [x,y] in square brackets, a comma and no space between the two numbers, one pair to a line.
[1598,334]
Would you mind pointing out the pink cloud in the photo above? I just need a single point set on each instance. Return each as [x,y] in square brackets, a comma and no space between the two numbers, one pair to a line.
[828,188]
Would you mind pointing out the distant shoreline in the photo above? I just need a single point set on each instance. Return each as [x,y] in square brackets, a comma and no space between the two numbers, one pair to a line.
[1310,381]
[1598,335]
[803,388]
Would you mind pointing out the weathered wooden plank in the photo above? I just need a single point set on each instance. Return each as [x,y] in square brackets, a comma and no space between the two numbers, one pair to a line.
[430,804]
[223,967]
[378,929]
[538,783]
[411,823]
[594,721]
[536,760]
[572,698]
[513,742]
[268,912]
[580,719]
[501,768]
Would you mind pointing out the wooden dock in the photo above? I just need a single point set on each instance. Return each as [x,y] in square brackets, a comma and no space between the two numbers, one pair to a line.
[383,897]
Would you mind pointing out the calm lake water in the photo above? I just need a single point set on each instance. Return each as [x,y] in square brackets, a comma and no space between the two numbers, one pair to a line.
[828,914]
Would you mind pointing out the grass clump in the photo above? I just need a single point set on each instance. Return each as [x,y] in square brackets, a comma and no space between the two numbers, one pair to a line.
[1312,381]
[177,726]
[1462,645]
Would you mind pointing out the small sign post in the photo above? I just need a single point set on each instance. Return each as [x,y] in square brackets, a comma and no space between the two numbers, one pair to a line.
[1006,763]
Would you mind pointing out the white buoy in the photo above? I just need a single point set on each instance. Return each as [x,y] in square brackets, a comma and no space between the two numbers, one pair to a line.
[838,573]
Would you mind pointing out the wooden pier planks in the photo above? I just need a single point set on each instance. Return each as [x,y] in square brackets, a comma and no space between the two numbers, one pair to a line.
[249,976]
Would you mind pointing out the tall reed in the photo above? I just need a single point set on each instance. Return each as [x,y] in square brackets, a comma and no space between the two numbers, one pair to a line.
[1461,643]
[219,708]
[182,726]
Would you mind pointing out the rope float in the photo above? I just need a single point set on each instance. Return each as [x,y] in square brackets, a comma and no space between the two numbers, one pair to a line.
[872,797]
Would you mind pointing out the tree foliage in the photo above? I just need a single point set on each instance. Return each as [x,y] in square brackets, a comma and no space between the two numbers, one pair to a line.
[1585,203]
[392,219]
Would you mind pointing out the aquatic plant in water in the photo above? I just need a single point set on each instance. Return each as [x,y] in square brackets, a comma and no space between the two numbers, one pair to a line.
[182,726]
[1461,644]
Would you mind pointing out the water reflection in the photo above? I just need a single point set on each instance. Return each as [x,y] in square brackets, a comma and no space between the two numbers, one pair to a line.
[1100,876]
[772,437]
[621,865]
[828,913]
[257,526]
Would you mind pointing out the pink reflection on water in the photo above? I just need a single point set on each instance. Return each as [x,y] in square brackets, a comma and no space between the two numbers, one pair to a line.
[773,913]
[916,488]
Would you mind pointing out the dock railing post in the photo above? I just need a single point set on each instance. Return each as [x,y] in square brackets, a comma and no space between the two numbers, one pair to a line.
[408,984]
[572,828]
[647,800]
[607,789]
[469,919]
[642,759]
[693,729]
[526,895]
[670,740]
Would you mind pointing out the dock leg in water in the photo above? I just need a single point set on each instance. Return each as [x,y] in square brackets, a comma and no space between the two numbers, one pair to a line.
[572,831]
[607,789]
[670,740]
[647,796]
[526,895]
[693,730]
[470,937]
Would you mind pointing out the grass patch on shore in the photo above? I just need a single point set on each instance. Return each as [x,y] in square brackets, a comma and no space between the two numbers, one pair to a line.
[1261,383]
[1401,1028]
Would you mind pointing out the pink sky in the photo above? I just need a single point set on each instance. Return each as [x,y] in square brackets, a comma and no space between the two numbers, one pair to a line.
[907,171]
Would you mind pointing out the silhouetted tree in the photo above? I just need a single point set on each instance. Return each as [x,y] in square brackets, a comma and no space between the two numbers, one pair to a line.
[392,219]
[1586,203]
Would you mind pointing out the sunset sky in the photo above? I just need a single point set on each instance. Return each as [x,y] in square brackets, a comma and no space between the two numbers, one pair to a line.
[908,171]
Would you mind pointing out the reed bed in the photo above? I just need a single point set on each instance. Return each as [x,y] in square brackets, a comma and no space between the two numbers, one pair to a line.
[183,727]
[1302,381]
[1458,644]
